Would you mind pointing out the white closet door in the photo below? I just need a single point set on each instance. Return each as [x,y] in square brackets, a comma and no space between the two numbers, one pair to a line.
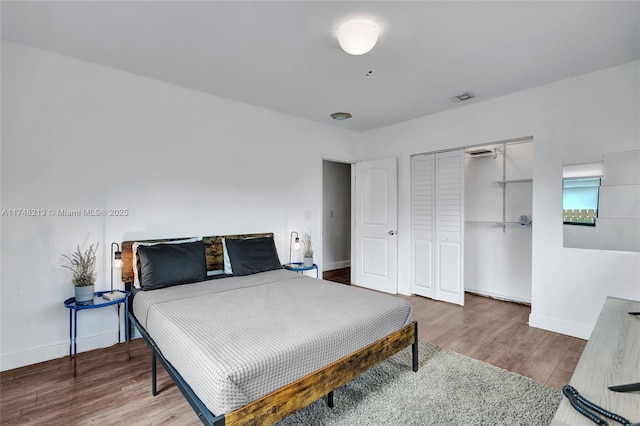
[437,226]
[422,224]
[449,224]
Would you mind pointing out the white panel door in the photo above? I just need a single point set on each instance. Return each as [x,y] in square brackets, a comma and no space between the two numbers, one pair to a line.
[449,226]
[376,224]
[422,224]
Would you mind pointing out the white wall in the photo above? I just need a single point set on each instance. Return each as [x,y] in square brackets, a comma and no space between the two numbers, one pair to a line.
[77,136]
[497,259]
[336,215]
[592,114]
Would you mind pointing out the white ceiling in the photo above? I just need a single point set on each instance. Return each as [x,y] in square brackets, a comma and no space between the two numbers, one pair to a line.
[285,55]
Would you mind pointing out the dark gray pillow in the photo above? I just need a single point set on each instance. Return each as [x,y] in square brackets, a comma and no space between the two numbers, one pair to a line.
[252,255]
[165,265]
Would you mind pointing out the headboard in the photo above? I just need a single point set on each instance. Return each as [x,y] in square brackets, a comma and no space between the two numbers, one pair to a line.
[212,247]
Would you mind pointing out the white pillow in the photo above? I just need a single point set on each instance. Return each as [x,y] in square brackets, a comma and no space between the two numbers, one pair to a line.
[134,248]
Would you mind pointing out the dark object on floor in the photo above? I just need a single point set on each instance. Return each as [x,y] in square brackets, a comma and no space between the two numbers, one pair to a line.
[583,405]
[631,387]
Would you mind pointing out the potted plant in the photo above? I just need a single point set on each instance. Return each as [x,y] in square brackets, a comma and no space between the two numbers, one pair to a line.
[83,266]
[307,249]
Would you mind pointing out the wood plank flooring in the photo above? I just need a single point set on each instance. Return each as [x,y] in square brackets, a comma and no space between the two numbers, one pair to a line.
[111,390]
[493,331]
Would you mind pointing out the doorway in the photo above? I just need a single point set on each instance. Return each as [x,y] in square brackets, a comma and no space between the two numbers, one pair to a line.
[498,220]
[336,216]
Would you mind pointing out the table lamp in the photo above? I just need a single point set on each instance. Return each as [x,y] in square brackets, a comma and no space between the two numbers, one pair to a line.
[116,263]
[295,245]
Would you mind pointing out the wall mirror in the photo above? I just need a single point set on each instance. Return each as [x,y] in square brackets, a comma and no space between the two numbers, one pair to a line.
[601,202]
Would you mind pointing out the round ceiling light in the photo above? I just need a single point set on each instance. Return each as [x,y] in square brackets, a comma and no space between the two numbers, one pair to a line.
[358,37]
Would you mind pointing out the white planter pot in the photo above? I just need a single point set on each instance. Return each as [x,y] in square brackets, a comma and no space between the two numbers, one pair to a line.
[84,294]
[307,261]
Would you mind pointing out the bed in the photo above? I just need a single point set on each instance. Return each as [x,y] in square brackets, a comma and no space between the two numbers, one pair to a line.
[254,344]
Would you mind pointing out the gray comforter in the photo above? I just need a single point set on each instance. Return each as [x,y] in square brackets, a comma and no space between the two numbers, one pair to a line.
[236,339]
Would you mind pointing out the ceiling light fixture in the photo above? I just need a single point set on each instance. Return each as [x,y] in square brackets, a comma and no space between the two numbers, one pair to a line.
[358,37]
[340,116]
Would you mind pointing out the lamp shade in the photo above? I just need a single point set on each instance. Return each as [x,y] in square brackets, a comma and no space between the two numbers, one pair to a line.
[358,37]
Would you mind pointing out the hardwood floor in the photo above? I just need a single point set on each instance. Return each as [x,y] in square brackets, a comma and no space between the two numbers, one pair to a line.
[493,331]
[342,275]
[497,332]
[111,390]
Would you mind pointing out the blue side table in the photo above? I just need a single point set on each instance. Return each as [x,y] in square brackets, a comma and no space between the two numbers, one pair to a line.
[96,303]
[299,267]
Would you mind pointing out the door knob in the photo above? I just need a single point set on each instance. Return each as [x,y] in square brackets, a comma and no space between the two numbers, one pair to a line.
[391,232]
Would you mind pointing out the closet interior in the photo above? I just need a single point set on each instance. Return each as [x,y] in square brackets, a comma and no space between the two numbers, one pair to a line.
[498,220]
[472,219]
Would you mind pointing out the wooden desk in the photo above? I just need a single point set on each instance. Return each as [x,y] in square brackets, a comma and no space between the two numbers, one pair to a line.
[611,357]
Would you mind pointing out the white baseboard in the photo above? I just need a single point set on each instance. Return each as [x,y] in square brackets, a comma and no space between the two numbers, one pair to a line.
[404,290]
[46,353]
[336,265]
[562,327]
[506,298]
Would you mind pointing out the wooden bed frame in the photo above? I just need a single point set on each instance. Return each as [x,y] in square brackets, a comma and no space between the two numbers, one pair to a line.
[284,401]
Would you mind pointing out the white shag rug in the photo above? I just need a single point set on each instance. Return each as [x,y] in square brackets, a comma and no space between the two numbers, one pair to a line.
[448,389]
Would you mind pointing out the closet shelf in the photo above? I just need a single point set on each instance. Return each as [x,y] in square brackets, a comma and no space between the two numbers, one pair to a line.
[504,182]
[494,222]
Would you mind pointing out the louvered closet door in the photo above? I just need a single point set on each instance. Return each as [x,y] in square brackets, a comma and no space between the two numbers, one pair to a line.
[437,226]
[449,225]
[422,224]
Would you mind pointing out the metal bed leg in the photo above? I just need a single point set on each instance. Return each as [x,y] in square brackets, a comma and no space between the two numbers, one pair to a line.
[414,348]
[154,389]
[203,413]
[330,399]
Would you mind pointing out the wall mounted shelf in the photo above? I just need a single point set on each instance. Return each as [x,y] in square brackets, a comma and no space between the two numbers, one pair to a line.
[495,222]
[511,223]
[504,182]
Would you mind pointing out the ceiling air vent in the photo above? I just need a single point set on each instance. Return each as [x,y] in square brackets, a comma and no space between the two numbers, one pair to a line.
[463,97]
[480,152]
[340,116]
